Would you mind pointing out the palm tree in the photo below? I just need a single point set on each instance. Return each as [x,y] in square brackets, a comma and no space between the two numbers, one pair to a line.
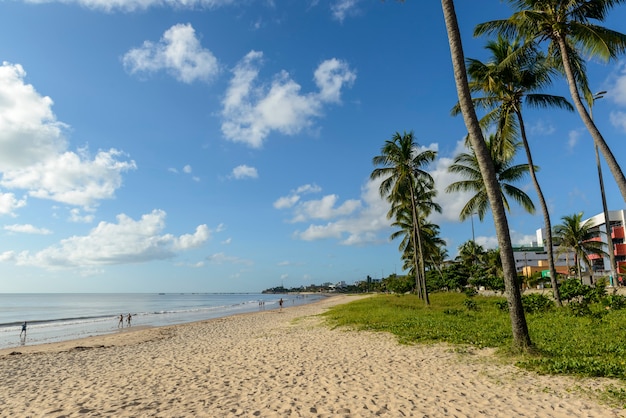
[431,245]
[401,167]
[471,256]
[521,337]
[471,253]
[512,76]
[466,164]
[577,237]
[567,27]
[426,232]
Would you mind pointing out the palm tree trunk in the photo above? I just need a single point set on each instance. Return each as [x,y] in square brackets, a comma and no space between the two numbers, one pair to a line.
[420,250]
[521,337]
[421,283]
[578,269]
[544,209]
[591,126]
[607,224]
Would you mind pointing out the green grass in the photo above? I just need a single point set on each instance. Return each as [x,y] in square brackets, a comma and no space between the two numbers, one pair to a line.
[593,346]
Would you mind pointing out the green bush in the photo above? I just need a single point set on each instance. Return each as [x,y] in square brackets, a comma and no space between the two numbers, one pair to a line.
[470,292]
[536,302]
[571,289]
[502,305]
[614,302]
[470,304]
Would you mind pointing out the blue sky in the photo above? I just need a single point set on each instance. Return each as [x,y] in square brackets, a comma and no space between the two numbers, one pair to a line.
[226,145]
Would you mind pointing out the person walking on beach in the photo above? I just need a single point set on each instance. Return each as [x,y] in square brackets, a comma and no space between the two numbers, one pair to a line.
[280,302]
[121,323]
[23,329]
[128,320]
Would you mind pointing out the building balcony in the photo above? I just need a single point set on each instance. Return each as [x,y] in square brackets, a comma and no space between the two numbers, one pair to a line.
[618,232]
[620,249]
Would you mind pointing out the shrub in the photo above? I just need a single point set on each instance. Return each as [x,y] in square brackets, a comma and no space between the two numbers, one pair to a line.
[614,302]
[536,302]
[571,289]
[470,304]
[470,292]
[502,304]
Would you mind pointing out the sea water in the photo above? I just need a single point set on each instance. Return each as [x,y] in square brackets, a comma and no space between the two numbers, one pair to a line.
[53,317]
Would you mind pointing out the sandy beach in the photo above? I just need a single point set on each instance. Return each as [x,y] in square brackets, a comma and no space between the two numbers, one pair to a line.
[278,364]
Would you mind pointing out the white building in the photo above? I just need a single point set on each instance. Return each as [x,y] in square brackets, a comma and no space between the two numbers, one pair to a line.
[600,265]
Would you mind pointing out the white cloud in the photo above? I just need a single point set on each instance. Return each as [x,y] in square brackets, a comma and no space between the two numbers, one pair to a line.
[221,258]
[135,5]
[288,201]
[244,171]
[363,222]
[324,208]
[76,216]
[618,119]
[618,91]
[251,113]
[179,52]
[71,178]
[330,76]
[33,149]
[29,131]
[541,127]
[363,227]
[27,229]
[572,138]
[187,169]
[9,203]
[451,203]
[127,241]
[341,8]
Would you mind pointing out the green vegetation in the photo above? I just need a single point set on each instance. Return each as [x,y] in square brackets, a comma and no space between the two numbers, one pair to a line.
[565,342]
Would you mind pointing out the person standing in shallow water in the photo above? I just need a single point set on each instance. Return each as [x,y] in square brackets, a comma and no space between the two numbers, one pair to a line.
[23,329]
[280,302]
[128,320]
[121,323]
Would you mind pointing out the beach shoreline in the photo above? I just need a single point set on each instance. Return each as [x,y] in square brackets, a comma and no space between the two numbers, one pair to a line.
[278,363]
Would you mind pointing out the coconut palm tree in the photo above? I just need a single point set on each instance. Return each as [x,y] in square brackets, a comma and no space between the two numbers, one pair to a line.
[466,164]
[431,245]
[567,26]
[521,337]
[578,238]
[423,235]
[513,76]
[401,167]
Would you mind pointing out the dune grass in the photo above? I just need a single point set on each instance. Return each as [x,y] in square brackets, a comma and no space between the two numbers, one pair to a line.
[592,345]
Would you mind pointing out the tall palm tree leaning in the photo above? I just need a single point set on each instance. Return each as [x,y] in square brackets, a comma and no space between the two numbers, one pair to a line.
[521,337]
[577,237]
[568,28]
[513,75]
[401,167]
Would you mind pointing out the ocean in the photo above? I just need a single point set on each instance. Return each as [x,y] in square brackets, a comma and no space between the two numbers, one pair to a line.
[53,317]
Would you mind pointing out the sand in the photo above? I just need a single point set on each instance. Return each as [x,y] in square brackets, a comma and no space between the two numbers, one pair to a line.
[278,364]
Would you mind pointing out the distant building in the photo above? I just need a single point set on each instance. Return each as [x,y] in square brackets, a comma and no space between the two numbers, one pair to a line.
[530,259]
[617,221]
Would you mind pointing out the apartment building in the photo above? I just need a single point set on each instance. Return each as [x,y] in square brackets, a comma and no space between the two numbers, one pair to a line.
[533,258]
[617,221]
